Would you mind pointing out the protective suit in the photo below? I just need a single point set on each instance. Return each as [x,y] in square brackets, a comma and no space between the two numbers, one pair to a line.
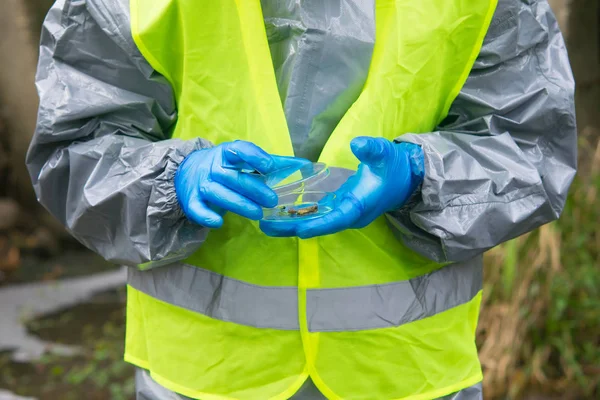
[209,318]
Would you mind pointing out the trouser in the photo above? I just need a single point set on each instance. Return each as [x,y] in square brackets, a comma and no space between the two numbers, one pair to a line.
[148,389]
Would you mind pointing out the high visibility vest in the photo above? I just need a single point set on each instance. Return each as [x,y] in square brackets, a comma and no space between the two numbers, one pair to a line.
[252,317]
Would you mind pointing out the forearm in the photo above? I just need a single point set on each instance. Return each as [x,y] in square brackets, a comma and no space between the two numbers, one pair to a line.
[503,166]
[115,195]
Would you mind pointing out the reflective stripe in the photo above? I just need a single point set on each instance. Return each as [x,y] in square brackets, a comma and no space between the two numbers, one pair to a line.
[393,304]
[220,297]
[334,309]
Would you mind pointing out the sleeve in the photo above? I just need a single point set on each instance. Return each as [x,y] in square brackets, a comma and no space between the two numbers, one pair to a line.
[502,161]
[102,160]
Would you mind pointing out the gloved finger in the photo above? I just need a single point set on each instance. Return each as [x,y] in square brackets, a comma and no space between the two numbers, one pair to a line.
[289,162]
[242,152]
[248,186]
[225,198]
[341,218]
[368,150]
[278,228]
[202,215]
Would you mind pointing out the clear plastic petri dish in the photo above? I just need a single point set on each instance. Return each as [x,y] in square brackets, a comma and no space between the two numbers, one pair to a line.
[296,178]
[299,175]
[300,206]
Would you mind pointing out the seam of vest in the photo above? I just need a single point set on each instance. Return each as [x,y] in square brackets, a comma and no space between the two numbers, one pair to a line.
[328,310]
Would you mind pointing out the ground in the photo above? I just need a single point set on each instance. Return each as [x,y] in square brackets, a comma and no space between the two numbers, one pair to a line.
[96,326]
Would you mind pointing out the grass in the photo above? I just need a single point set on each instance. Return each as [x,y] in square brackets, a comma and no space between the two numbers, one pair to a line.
[539,326]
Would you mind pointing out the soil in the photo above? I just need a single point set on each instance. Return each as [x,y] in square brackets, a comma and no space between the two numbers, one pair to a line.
[300,211]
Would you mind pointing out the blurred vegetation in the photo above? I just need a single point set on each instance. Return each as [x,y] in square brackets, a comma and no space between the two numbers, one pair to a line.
[539,330]
[540,321]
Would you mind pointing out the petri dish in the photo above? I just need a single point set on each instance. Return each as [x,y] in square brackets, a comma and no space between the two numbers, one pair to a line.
[300,206]
[300,174]
[296,178]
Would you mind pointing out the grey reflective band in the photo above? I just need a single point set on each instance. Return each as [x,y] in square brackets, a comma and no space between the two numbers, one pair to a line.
[334,309]
[219,297]
[393,304]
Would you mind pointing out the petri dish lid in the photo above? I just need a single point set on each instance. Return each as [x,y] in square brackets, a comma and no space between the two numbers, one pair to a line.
[295,178]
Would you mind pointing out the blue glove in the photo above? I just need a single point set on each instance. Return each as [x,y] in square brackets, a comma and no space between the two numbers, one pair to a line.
[207,183]
[387,176]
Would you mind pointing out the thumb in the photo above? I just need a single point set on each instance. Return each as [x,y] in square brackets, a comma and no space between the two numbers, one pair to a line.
[368,150]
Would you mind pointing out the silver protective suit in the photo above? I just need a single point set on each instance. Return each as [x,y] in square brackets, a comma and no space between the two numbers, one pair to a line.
[102,160]
[321,52]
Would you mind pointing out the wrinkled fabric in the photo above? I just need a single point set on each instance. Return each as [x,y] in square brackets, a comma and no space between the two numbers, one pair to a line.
[502,161]
[101,160]
[321,52]
[504,157]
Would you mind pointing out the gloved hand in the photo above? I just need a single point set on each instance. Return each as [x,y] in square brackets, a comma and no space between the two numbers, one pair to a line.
[387,175]
[207,186]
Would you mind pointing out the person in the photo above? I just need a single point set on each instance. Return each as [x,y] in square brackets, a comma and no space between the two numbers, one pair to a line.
[448,127]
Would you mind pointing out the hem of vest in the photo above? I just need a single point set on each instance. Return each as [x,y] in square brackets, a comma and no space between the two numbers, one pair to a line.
[457,387]
[177,388]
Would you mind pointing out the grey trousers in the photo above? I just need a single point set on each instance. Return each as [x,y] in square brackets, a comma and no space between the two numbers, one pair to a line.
[148,389]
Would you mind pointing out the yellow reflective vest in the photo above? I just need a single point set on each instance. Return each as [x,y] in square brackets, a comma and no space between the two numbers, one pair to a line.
[252,317]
